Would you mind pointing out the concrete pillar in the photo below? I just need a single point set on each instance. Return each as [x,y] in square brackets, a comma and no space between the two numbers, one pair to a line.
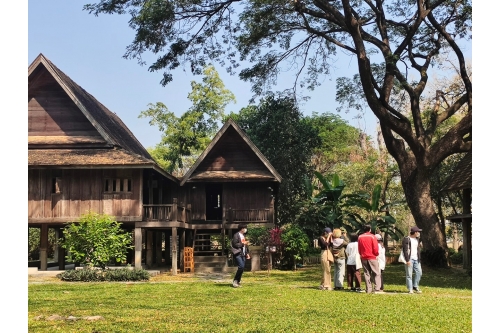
[61,253]
[138,248]
[149,248]
[44,242]
[174,251]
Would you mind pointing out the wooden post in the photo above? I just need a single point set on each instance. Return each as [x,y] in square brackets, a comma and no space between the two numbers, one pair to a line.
[230,215]
[467,229]
[182,246]
[149,248]
[158,257]
[44,241]
[271,211]
[174,209]
[138,248]
[174,248]
[61,253]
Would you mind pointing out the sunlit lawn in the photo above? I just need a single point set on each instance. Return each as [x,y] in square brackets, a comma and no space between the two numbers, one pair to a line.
[279,301]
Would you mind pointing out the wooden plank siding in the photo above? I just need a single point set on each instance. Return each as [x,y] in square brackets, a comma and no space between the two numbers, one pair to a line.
[82,190]
[231,153]
[52,113]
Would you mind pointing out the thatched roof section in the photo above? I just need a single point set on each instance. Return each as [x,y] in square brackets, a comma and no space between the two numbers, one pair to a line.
[461,178]
[84,157]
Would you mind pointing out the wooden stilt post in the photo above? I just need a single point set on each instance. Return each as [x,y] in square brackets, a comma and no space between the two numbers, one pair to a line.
[44,241]
[61,253]
[149,248]
[174,251]
[138,248]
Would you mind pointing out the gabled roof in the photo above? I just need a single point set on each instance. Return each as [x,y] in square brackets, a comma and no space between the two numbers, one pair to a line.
[461,178]
[270,174]
[124,148]
[107,123]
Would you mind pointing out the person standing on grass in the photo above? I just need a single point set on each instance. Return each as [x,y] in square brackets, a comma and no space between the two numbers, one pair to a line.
[338,249]
[324,243]
[239,247]
[353,264]
[411,251]
[381,259]
[368,251]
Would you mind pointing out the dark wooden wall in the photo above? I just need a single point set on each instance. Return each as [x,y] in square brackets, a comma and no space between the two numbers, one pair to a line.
[51,112]
[234,195]
[82,190]
[231,153]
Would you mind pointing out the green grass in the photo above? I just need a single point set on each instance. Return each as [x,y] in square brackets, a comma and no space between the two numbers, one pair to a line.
[284,301]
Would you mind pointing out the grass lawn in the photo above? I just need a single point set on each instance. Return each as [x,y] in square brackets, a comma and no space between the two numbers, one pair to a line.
[284,301]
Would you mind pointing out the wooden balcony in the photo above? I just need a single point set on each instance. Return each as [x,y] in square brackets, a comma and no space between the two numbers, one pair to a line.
[250,216]
[166,212]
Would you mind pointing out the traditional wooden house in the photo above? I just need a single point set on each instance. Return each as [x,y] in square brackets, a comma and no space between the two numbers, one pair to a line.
[82,157]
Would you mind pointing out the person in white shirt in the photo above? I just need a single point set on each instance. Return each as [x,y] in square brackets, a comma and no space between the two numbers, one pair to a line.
[239,247]
[381,259]
[353,264]
[411,251]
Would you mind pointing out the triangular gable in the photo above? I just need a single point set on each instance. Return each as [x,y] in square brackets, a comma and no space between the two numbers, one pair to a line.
[262,167]
[107,123]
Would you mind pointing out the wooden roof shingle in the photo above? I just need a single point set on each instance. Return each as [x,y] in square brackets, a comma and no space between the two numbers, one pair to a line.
[461,178]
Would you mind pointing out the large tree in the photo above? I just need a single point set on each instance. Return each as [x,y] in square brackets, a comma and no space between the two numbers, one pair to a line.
[395,43]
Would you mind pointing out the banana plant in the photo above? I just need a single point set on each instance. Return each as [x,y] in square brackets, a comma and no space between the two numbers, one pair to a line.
[328,200]
[378,216]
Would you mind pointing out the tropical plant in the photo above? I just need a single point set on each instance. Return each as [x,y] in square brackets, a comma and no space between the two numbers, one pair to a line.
[377,215]
[295,244]
[258,235]
[96,240]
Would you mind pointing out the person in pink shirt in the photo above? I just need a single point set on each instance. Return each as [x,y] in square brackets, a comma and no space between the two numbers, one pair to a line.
[368,251]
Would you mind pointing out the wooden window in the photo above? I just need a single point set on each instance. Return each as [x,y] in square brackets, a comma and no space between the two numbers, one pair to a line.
[117,185]
[56,185]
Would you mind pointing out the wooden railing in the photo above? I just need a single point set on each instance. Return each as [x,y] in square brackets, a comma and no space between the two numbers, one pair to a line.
[249,215]
[157,212]
[167,212]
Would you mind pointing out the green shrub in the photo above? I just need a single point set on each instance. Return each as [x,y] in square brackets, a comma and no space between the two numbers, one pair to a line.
[451,251]
[99,275]
[457,258]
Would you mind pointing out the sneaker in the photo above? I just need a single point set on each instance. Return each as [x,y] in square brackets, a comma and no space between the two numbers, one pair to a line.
[359,290]
[236,284]
[353,289]
[379,292]
[410,292]
[321,287]
[417,290]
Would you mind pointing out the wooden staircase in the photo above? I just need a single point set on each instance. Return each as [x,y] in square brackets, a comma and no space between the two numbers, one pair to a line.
[208,253]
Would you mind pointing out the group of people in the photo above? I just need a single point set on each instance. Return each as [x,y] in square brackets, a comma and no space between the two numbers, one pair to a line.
[365,251]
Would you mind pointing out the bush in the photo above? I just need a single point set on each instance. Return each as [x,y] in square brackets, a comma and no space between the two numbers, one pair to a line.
[96,240]
[457,258]
[100,275]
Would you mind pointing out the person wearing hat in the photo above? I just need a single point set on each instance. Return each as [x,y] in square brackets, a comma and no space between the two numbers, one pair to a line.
[411,251]
[239,247]
[324,242]
[381,259]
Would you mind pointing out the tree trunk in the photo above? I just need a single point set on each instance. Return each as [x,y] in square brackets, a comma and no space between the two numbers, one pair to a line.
[418,195]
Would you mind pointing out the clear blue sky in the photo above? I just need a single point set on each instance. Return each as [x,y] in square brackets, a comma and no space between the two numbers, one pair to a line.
[89,49]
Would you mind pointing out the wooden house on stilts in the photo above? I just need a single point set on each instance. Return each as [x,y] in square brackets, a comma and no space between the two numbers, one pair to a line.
[82,157]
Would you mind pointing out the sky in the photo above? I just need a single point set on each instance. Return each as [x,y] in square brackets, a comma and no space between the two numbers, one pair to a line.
[89,49]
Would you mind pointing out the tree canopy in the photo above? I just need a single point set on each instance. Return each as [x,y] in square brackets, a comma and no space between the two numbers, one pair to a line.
[395,44]
[190,133]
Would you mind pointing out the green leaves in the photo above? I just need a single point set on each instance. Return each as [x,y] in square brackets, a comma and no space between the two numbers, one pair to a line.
[95,240]
[190,133]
